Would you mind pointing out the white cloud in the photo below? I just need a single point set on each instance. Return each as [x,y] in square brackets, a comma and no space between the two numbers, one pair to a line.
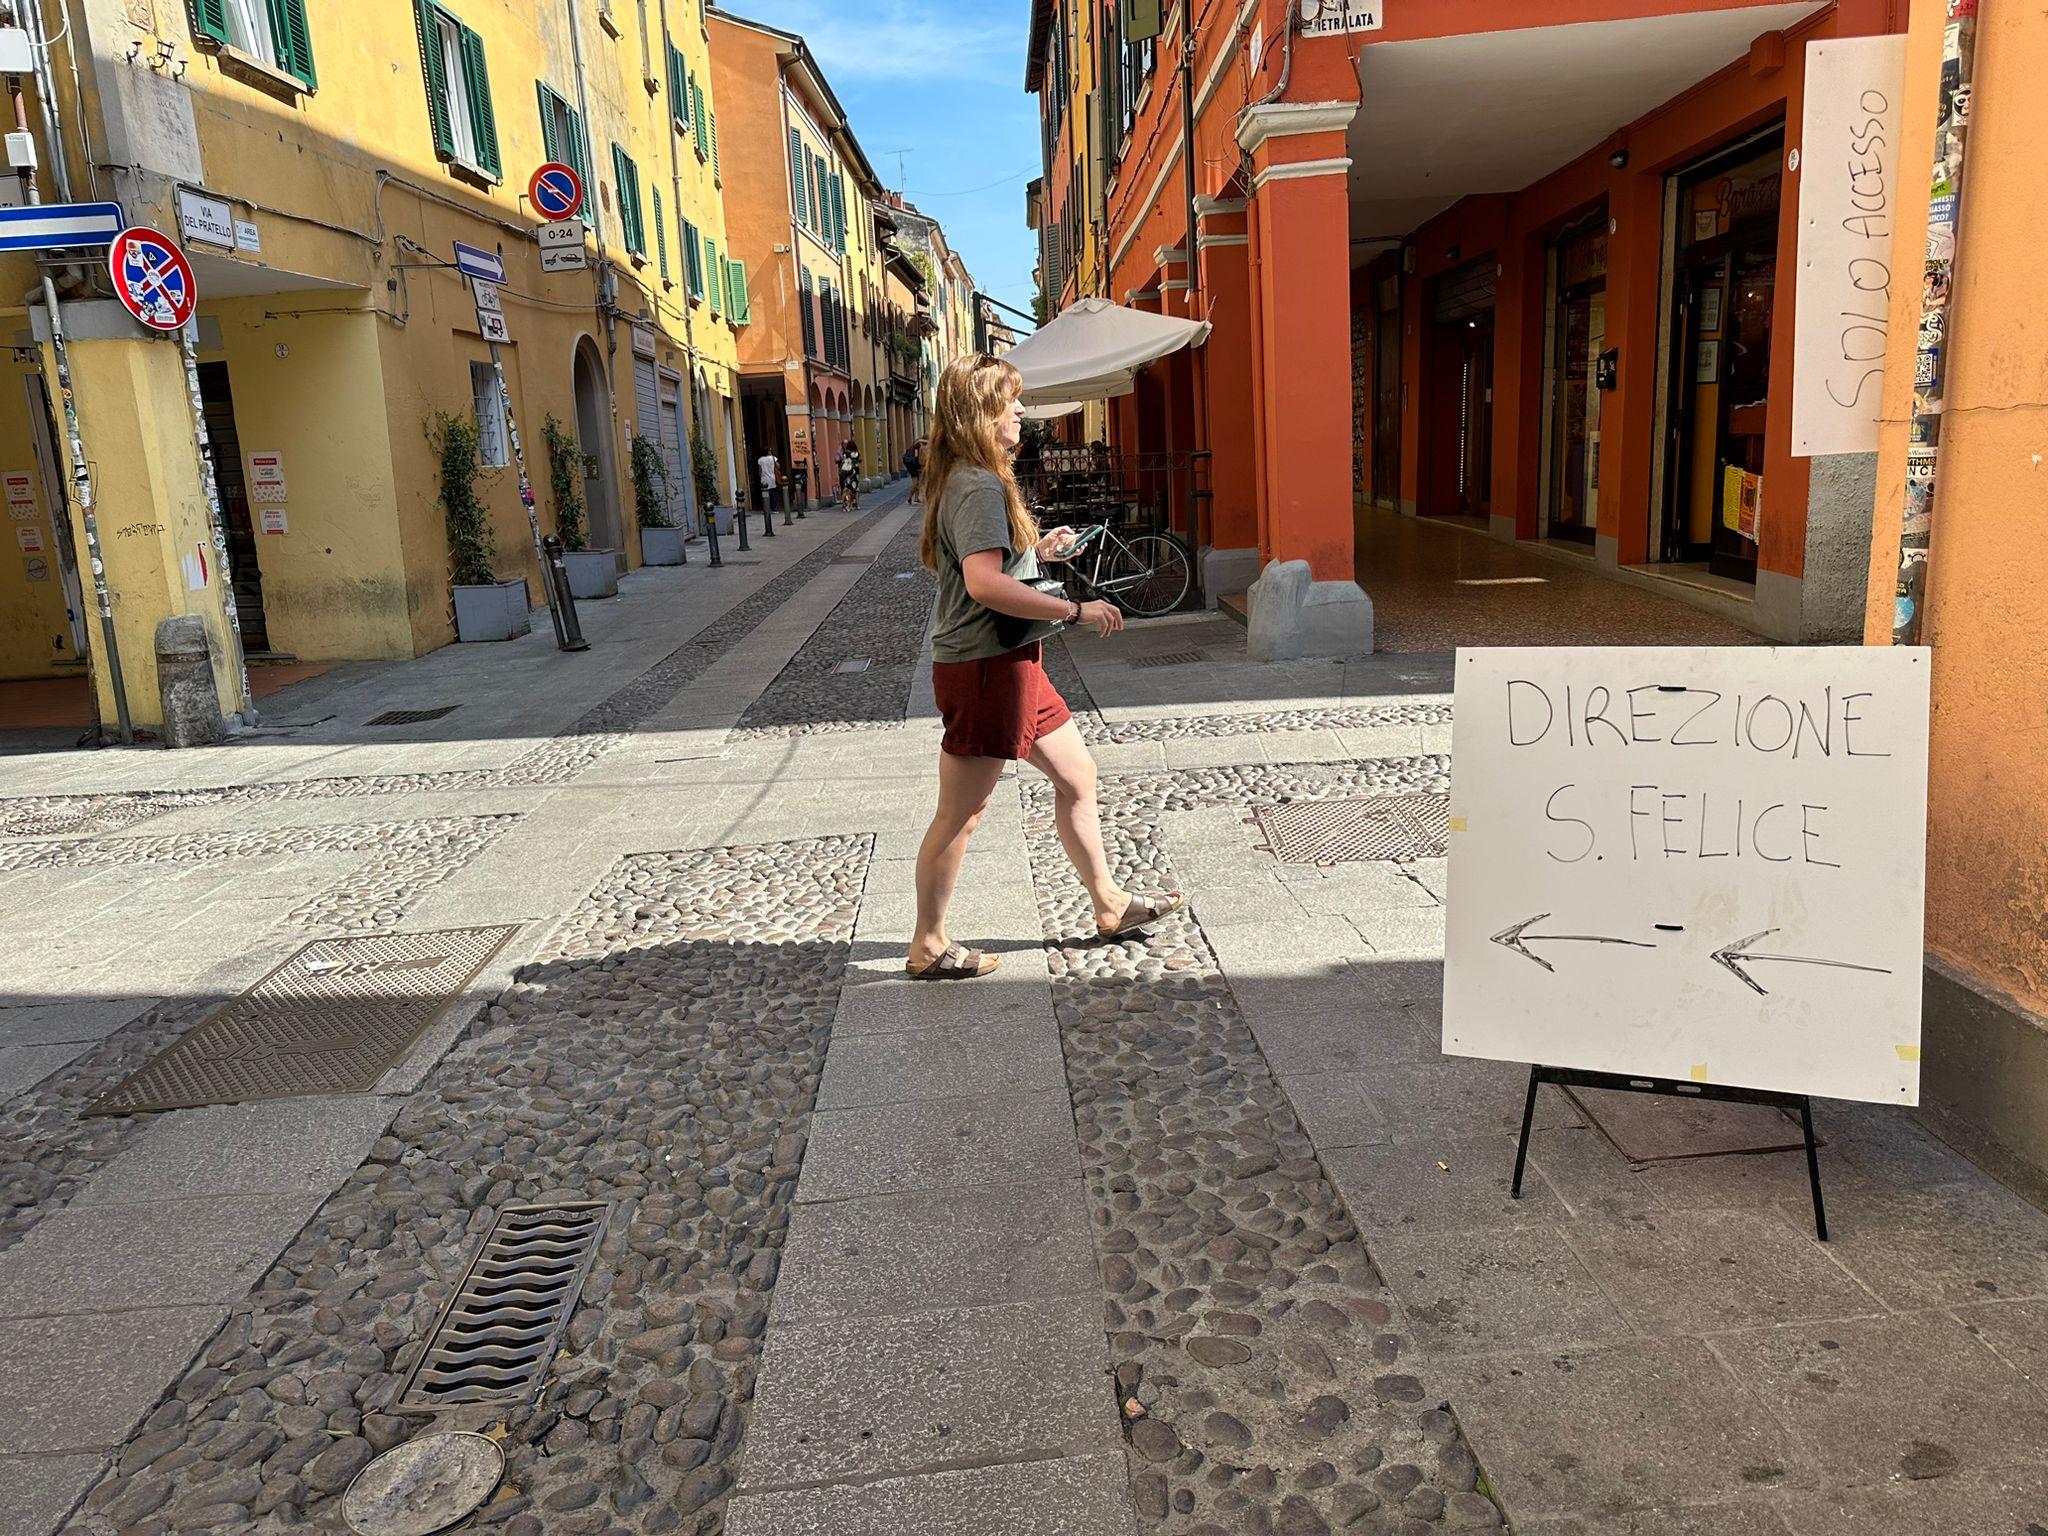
[902,39]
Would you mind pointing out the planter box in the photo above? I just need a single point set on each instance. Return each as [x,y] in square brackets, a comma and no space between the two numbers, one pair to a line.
[661,546]
[722,516]
[593,573]
[496,612]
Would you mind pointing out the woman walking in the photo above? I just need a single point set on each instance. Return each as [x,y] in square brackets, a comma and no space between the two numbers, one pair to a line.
[987,673]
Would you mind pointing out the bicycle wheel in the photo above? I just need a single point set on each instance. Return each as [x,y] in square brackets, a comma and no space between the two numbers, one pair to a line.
[1147,574]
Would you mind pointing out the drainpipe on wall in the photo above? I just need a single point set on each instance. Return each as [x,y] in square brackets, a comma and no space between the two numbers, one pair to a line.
[1937,346]
[1198,378]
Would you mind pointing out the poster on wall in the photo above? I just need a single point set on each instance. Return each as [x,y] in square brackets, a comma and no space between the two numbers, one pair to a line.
[1700,864]
[30,537]
[1707,368]
[266,477]
[1848,205]
[1710,311]
[274,521]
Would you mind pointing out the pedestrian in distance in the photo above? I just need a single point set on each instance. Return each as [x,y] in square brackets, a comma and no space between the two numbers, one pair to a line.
[771,481]
[994,613]
[913,466]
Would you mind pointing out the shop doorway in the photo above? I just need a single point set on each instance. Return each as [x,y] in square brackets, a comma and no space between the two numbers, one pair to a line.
[1458,403]
[1724,291]
[1578,337]
[593,435]
[217,401]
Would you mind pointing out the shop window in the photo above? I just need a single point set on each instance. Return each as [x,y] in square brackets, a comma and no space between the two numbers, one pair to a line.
[272,32]
[494,449]
[1579,336]
[465,127]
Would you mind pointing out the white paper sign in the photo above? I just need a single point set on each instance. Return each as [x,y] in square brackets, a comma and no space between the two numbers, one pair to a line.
[30,537]
[1699,864]
[274,521]
[266,473]
[1849,183]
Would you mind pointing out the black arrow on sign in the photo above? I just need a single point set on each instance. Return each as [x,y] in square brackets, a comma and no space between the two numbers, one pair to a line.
[1518,938]
[1733,956]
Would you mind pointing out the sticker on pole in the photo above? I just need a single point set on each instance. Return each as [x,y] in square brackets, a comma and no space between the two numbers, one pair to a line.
[556,191]
[152,279]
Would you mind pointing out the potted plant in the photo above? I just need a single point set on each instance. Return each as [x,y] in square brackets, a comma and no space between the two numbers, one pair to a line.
[592,572]
[704,475]
[485,607]
[661,542]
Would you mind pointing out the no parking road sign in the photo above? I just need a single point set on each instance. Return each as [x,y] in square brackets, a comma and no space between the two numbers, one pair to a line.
[152,279]
[556,191]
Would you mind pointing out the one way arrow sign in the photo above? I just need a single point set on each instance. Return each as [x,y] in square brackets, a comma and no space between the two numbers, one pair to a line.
[1516,936]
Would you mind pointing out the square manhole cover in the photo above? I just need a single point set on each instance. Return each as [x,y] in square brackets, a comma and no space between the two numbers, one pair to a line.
[1398,827]
[1170,659]
[331,1019]
[497,1333]
[413,716]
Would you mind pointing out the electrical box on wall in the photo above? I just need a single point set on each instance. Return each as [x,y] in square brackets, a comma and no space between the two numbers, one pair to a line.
[17,56]
[21,151]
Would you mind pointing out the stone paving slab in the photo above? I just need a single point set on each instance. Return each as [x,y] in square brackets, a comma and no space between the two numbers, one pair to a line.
[1074,1496]
[948,1143]
[941,1063]
[2012,1502]
[38,1491]
[23,1066]
[2018,1332]
[1439,1186]
[889,1005]
[900,1253]
[59,1022]
[274,1147]
[1647,1127]
[74,1383]
[1474,1292]
[1890,1397]
[1951,1244]
[1451,1097]
[180,1253]
[1316,1042]
[1600,1431]
[858,1399]
[1739,1518]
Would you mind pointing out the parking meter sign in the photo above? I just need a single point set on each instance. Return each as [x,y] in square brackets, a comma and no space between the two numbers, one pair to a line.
[556,191]
[152,279]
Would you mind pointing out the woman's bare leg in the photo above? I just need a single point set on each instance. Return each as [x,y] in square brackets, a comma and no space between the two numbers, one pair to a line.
[965,784]
[1064,758]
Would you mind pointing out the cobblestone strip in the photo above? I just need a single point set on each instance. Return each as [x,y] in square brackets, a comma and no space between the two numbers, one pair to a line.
[1265,723]
[46,1150]
[1261,1383]
[664,1056]
[1249,785]
[558,760]
[881,620]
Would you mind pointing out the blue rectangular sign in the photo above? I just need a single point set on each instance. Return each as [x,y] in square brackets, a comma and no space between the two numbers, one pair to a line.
[476,262]
[58,226]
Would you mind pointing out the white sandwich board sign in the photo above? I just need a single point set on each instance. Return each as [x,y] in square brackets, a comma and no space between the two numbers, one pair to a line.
[1694,864]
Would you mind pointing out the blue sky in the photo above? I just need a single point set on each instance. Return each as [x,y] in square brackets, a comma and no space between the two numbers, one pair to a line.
[943,82]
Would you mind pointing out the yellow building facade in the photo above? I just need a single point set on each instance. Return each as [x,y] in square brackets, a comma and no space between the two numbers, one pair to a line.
[319,186]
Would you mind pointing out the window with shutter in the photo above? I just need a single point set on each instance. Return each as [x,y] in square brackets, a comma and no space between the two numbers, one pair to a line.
[693,261]
[273,32]
[294,40]
[626,179]
[483,118]
[810,318]
[717,276]
[712,115]
[739,303]
[839,212]
[799,166]
[678,89]
[427,21]
[699,108]
[660,236]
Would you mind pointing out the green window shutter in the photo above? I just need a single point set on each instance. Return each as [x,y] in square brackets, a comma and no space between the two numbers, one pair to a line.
[699,111]
[678,87]
[423,16]
[742,305]
[810,317]
[294,40]
[211,18]
[824,200]
[717,279]
[550,141]
[797,166]
[639,209]
[839,211]
[483,118]
[713,118]
[577,153]
[660,235]
[693,261]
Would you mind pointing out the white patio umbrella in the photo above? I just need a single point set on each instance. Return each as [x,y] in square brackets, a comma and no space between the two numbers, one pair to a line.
[1093,350]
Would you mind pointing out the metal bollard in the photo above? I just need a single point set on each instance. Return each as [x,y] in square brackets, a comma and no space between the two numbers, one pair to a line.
[711,532]
[570,631]
[739,518]
[803,486]
[767,517]
[788,507]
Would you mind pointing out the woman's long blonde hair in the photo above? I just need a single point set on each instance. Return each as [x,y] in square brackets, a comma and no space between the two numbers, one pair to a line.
[973,393]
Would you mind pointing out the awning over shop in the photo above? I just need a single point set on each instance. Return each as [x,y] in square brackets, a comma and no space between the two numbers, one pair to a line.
[1093,350]
[1052,410]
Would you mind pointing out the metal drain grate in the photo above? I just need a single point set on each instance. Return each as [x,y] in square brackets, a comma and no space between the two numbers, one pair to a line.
[1395,827]
[1170,659]
[857,664]
[497,1333]
[331,1019]
[413,716]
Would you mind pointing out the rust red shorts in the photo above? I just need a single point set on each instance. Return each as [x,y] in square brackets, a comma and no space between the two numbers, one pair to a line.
[999,706]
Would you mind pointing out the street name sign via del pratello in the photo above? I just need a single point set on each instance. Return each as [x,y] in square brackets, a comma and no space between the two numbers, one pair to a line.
[1698,865]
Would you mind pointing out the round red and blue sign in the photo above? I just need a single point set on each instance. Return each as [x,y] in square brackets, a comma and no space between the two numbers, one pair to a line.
[556,191]
[152,278]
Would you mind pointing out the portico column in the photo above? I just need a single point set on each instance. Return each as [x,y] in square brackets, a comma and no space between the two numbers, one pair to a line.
[1301,331]
[1230,561]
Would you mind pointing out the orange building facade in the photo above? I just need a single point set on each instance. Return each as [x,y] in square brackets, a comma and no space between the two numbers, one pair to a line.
[1526,266]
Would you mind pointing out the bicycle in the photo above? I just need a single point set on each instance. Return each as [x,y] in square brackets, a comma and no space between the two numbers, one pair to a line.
[1146,574]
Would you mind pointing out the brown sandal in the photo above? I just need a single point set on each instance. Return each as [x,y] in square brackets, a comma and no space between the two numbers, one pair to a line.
[955,963]
[1141,914]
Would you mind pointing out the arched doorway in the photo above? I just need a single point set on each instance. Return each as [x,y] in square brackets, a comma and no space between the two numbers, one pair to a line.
[593,433]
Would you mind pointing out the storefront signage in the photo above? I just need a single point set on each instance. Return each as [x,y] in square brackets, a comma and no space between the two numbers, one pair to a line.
[1848,205]
[208,220]
[1320,17]
[1697,864]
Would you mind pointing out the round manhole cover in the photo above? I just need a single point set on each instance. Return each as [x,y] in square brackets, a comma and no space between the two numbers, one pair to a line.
[423,1486]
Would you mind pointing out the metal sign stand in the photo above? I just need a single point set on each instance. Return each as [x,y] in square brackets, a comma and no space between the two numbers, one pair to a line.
[188,337]
[1573,1077]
